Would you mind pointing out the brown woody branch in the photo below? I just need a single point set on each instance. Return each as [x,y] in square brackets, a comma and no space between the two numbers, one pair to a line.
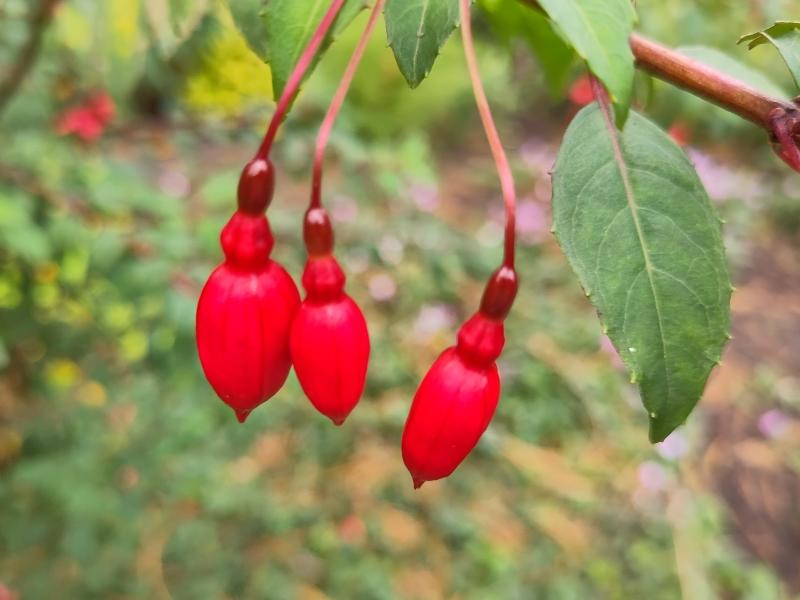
[779,117]
[26,57]
[706,82]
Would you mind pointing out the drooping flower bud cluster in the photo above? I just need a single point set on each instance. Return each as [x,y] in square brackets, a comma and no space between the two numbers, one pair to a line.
[252,326]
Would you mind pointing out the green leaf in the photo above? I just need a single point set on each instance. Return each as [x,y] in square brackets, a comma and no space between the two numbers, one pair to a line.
[785,36]
[637,227]
[417,29]
[290,24]
[599,32]
[733,67]
[248,15]
[19,234]
[514,21]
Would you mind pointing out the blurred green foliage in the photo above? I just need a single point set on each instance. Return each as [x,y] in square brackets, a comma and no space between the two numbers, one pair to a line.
[122,476]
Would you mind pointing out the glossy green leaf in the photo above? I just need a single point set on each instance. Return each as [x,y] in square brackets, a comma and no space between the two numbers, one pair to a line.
[733,67]
[515,21]
[289,26]
[785,36]
[639,230]
[599,32]
[417,29]
[249,18]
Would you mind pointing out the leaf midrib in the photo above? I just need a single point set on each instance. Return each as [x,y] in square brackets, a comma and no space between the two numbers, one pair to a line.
[633,207]
[312,16]
[420,33]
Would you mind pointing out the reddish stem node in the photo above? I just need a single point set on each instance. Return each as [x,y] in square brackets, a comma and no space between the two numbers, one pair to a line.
[498,152]
[296,78]
[786,129]
[336,104]
[601,94]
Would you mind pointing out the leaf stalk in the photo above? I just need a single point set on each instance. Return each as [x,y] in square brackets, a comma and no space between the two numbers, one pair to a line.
[296,78]
[336,104]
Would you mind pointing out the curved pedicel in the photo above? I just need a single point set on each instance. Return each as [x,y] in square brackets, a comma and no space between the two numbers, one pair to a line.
[330,342]
[457,398]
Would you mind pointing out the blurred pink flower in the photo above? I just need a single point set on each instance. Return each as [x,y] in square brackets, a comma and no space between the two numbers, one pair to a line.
[773,423]
[426,197]
[344,209]
[382,287]
[533,221]
[174,183]
[653,477]
[89,119]
[391,250]
[675,447]
[538,155]
[432,319]
[725,183]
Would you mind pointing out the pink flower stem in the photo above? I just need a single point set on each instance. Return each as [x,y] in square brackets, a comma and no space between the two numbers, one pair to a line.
[498,152]
[336,104]
[600,93]
[296,78]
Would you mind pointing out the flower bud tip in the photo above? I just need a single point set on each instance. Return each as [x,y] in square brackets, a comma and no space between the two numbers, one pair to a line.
[417,482]
[241,415]
[338,421]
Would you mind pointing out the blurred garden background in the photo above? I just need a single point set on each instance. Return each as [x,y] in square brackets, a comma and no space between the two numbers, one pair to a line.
[124,125]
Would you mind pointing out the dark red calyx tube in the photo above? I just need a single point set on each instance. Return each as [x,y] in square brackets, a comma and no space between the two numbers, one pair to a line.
[318,232]
[244,317]
[457,398]
[500,292]
[256,186]
[329,341]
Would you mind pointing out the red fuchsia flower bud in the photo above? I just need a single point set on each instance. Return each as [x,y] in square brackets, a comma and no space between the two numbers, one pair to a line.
[457,398]
[246,308]
[329,340]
